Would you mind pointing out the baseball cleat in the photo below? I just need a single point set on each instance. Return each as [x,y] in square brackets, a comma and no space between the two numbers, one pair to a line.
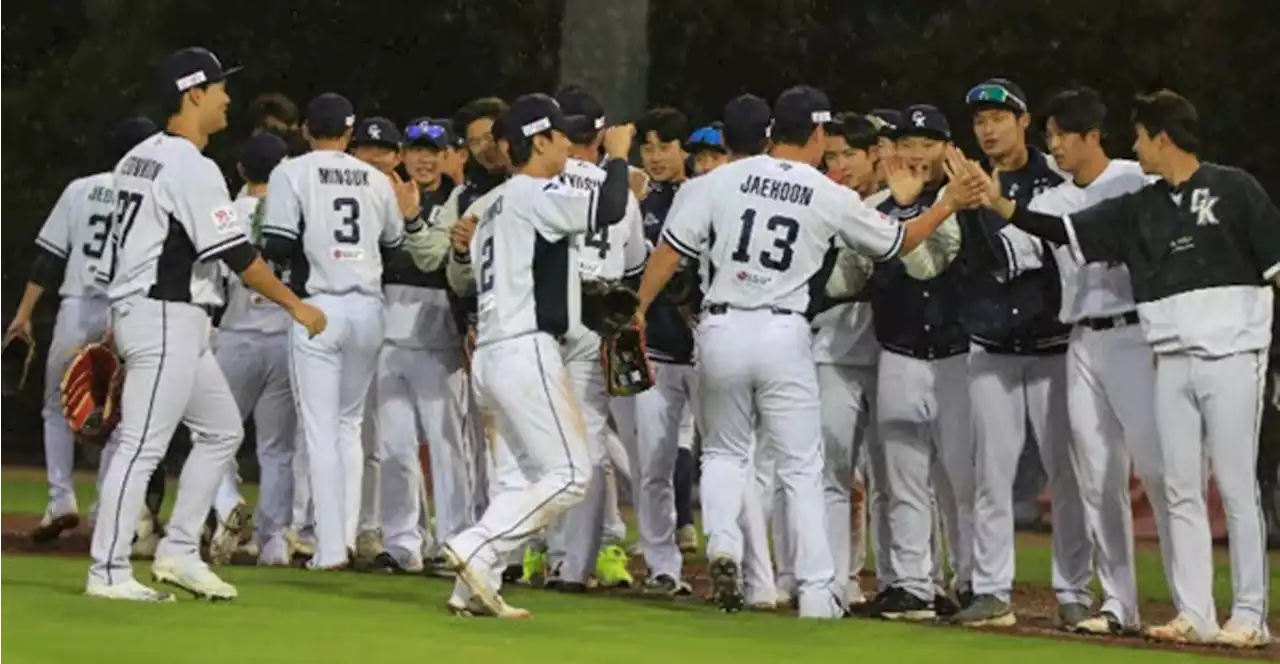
[1178,630]
[386,563]
[1072,614]
[130,591]
[986,611]
[147,536]
[897,604]
[664,584]
[481,592]
[726,584]
[229,533]
[687,539]
[1239,635]
[368,546]
[944,606]
[275,552]
[611,568]
[299,545]
[512,574]
[193,576]
[1103,624]
[535,567]
[51,527]
[476,609]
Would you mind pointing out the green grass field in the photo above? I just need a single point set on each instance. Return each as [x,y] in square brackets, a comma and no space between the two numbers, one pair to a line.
[287,615]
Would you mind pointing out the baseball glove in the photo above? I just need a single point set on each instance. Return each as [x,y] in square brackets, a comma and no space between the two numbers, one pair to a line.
[608,306]
[626,368]
[15,362]
[91,394]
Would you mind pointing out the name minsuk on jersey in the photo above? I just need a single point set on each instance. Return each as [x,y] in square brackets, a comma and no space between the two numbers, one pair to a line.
[247,311]
[1091,290]
[341,210]
[173,217]
[768,225]
[608,252]
[526,261]
[78,231]
[1199,256]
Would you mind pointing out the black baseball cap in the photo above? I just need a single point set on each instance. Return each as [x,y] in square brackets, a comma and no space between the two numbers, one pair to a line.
[129,132]
[997,93]
[924,120]
[377,131]
[530,115]
[188,68]
[746,120]
[890,119]
[432,133]
[260,154]
[584,113]
[330,114]
[801,107]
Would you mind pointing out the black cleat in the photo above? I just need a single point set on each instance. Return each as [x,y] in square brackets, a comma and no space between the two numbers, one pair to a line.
[898,604]
[726,585]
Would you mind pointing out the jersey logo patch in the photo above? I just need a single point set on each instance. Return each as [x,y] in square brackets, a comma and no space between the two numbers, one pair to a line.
[1202,203]
[752,279]
[348,253]
[225,220]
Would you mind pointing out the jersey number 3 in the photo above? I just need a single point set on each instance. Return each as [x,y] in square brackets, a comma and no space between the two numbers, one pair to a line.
[785,232]
[350,231]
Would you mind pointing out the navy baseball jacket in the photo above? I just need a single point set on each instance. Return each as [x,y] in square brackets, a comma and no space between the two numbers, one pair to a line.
[920,319]
[1019,315]
[667,335]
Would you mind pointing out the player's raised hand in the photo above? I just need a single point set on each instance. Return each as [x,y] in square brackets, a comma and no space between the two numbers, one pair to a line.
[311,318]
[639,181]
[905,183]
[460,234]
[964,190]
[617,140]
[408,196]
[20,326]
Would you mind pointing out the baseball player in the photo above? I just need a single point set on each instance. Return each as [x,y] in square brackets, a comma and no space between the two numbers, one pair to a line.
[252,348]
[1017,368]
[705,147]
[70,250]
[769,223]
[575,544]
[1202,246]
[528,294]
[327,215]
[173,217]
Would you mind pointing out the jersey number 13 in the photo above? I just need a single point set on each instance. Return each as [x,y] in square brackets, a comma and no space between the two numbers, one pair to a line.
[779,255]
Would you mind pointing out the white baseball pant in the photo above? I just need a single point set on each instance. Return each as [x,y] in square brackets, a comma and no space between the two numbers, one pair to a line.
[848,411]
[658,412]
[171,377]
[372,450]
[331,376]
[81,320]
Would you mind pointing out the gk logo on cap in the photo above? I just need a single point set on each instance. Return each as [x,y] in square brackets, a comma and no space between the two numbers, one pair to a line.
[917,118]
[375,132]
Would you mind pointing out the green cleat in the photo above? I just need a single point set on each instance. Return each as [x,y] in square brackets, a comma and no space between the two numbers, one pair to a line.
[611,568]
[535,567]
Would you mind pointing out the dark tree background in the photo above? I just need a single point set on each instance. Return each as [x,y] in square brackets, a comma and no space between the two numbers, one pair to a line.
[74,67]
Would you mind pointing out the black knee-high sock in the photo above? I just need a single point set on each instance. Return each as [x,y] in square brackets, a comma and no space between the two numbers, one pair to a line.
[685,468]
[155,491]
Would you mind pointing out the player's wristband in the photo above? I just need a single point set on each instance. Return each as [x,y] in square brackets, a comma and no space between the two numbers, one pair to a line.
[461,257]
[414,225]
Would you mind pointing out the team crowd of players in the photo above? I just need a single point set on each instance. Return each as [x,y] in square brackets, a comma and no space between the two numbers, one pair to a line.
[870,303]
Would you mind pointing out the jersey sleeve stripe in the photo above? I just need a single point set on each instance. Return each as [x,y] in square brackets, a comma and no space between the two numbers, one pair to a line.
[60,252]
[396,243]
[1012,270]
[895,247]
[1271,272]
[280,231]
[222,246]
[633,271]
[680,247]
[1076,252]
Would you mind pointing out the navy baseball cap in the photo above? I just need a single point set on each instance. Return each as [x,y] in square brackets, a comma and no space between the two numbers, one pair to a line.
[129,132]
[924,120]
[746,120]
[584,112]
[997,93]
[189,68]
[377,131]
[330,114]
[889,120]
[432,133]
[530,115]
[801,107]
[706,138]
[260,154]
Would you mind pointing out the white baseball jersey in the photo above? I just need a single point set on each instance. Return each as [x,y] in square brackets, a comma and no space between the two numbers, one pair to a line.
[78,230]
[341,209]
[527,273]
[173,217]
[247,310]
[608,252]
[768,225]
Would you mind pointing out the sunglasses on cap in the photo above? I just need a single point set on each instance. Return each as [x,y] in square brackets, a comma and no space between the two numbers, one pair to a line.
[415,132]
[994,93]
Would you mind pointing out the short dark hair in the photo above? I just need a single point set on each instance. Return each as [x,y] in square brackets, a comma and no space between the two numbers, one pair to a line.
[1077,111]
[272,105]
[743,145]
[484,107]
[666,121]
[1169,112]
[171,104]
[856,129]
[327,134]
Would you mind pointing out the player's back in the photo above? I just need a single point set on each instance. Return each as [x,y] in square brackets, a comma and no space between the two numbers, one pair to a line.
[341,210]
[172,213]
[769,236]
[609,252]
[79,230]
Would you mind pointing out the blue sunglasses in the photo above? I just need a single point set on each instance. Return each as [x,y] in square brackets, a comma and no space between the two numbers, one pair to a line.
[434,132]
[709,136]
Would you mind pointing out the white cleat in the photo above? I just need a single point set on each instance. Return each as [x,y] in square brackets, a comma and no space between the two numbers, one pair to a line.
[193,576]
[299,545]
[1178,630]
[129,591]
[1240,635]
[230,532]
[275,552]
[482,593]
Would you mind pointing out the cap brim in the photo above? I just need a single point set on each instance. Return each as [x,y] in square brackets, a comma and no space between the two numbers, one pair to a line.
[922,132]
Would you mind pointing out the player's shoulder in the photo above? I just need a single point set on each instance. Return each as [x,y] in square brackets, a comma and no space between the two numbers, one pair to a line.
[1234,176]
[90,186]
[576,166]
[245,204]
[877,199]
[1122,176]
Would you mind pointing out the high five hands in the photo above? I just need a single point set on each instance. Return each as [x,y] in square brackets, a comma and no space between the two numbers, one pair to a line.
[969,186]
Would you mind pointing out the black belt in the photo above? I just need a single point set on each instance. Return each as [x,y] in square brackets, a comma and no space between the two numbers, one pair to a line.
[928,351]
[718,309]
[1109,322]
